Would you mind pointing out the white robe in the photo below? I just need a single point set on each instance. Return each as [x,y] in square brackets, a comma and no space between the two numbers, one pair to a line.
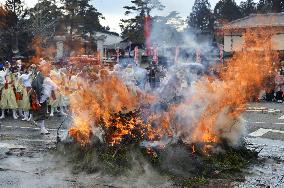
[26,79]
[2,77]
[48,85]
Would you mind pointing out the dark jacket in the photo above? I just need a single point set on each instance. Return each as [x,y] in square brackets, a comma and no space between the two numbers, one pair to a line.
[37,84]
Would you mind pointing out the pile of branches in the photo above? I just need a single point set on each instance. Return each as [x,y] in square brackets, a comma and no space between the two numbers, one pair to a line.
[127,128]
[184,164]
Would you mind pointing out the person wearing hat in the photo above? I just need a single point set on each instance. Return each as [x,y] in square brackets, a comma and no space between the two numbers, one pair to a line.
[24,85]
[8,98]
[64,99]
[42,86]
[3,74]
[54,101]
[20,66]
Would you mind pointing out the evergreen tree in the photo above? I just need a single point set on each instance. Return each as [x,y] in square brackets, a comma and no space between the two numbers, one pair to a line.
[270,6]
[44,18]
[81,17]
[15,11]
[226,11]
[264,6]
[133,28]
[201,18]
[247,7]
[165,29]
[81,21]
[14,25]
[278,6]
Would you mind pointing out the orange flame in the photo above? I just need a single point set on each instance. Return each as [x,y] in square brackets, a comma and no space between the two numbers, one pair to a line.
[241,79]
[96,102]
[40,51]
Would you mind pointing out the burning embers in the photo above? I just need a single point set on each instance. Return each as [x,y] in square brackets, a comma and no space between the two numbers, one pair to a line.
[208,114]
[103,104]
[127,127]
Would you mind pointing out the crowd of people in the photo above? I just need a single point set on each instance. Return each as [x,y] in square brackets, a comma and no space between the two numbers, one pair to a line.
[275,87]
[34,92]
[25,90]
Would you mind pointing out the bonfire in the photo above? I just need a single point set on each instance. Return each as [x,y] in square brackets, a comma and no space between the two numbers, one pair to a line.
[206,125]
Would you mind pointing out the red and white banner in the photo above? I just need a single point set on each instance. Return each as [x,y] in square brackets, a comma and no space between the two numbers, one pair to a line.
[136,55]
[99,56]
[117,54]
[155,55]
[221,48]
[198,56]
[105,54]
[147,34]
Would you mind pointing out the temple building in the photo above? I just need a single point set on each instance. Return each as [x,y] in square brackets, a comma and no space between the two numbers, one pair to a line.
[104,41]
[232,32]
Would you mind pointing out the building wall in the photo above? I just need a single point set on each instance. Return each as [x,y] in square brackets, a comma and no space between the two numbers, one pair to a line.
[234,43]
[278,41]
[110,39]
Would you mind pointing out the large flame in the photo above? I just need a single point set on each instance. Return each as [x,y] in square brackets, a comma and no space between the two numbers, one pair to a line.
[242,78]
[41,51]
[95,104]
[215,104]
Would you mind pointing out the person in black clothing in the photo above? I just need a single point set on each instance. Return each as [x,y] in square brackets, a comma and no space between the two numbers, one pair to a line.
[153,76]
[39,106]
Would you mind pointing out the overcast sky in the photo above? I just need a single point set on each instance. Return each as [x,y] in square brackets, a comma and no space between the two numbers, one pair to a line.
[113,9]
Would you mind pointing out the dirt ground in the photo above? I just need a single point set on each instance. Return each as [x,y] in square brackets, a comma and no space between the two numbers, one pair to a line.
[28,159]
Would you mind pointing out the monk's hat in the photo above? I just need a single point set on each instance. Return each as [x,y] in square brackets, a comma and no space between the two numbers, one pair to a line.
[33,66]
[42,62]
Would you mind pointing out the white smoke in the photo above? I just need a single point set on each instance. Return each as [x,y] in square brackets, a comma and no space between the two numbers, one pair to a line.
[180,78]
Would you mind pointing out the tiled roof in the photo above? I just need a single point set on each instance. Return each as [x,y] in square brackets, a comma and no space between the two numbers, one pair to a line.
[257,20]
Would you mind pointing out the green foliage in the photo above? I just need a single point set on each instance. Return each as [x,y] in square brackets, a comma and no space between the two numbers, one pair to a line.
[165,29]
[133,28]
[201,18]
[226,11]
[45,19]
[188,182]
[81,17]
[270,6]
[177,162]
[114,160]
[248,7]
[15,10]
[12,28]
[232,161]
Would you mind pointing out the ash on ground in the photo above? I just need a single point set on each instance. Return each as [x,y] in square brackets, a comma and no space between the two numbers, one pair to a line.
[270,171]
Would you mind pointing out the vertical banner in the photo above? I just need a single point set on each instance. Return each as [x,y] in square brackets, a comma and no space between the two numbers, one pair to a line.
[105,55]
[147,34]
[129,49]
[136,55]
[98,57]
[198,56]
[177,55]
[155,55]
[221,48]
[117,55]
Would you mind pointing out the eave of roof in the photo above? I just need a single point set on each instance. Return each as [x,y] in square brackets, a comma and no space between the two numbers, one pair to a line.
[256,20]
